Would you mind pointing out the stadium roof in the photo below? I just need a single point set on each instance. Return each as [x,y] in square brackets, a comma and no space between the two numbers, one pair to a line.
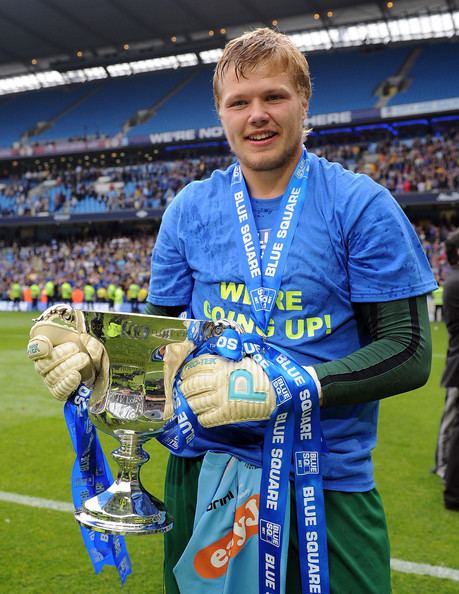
[37,35]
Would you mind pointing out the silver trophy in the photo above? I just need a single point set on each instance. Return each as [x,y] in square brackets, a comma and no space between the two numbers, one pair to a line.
[132,411]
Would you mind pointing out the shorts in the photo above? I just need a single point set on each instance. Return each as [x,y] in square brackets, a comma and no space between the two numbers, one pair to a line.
[358,543]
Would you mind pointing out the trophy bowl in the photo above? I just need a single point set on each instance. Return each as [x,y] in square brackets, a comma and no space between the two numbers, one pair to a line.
[132,411]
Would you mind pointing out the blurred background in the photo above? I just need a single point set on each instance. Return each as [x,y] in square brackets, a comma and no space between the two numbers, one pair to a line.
[106,112]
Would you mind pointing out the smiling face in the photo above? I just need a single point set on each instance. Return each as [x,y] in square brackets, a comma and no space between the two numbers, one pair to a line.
[262,114]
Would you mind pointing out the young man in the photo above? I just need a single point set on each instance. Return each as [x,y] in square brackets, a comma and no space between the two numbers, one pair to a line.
[350,304]
[322,281]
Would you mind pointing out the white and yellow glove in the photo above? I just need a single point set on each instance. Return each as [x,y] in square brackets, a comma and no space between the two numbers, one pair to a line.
[220,391]
[65,355]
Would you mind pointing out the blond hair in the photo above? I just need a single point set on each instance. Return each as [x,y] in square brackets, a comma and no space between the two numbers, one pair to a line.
[245,52]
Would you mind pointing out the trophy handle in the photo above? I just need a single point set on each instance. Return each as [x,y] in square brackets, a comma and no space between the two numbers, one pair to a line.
[126,507]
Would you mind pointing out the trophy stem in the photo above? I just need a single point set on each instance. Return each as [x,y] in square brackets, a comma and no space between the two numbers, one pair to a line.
[126,507]
[130,457]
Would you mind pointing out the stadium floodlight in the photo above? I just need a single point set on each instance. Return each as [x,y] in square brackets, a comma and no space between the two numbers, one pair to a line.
[334,35]
[96,73]
[357,34]
[423,27]
[142,66]
[51,78]
[122,69]
[404,29]
[299,40]
[164,63]
[74,76]
[443,21]
[18,84]
[185,60]
[84,74]
[211,56]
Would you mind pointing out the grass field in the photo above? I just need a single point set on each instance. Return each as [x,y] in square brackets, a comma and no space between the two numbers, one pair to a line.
[41,550]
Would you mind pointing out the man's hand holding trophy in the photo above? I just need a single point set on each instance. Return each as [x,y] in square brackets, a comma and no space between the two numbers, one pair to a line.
[65,355]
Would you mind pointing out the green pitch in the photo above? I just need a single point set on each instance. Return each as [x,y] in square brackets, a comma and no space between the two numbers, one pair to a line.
[41,551]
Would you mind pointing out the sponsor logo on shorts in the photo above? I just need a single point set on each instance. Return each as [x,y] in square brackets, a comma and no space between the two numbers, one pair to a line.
[212,561]
[220,502]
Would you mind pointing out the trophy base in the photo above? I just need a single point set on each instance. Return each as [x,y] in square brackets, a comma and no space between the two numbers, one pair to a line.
[124,513]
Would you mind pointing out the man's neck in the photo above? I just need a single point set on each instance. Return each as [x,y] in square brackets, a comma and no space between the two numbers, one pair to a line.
[268,184]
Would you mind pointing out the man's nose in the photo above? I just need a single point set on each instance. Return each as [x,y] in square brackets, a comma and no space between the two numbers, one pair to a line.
[258,113]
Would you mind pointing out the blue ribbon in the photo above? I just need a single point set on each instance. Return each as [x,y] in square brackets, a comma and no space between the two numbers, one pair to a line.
[292,438]
[263,276]
[90,476]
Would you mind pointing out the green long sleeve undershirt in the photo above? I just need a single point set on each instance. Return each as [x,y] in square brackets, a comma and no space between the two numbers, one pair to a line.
[398,358]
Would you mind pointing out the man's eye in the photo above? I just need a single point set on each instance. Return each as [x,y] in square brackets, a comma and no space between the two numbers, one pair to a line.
[238,103]
[274,97]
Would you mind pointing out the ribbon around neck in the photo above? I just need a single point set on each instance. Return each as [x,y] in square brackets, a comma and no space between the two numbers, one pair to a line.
[263,276]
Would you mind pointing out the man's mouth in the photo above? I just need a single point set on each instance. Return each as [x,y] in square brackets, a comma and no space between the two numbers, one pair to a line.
[260,136]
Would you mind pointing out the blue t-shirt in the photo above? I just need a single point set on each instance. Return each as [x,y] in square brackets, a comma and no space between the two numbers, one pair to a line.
[353,243]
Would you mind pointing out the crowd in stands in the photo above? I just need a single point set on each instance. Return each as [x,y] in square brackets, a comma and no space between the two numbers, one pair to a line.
[427,164]
[432,238]
[95,267]
[149,185]
[85,270]
[91,270]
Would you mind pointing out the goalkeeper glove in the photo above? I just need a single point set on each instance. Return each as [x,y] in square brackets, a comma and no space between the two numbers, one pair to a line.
[220,391]
[65,355]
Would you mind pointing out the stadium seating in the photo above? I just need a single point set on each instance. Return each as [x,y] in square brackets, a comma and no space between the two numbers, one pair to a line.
[347,80]
[191,107]
[342,80]
[19,113]
[110,103]
[433,76]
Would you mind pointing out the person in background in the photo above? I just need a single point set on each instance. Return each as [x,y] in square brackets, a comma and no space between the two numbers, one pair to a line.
[35,292]
[50,292]
[101,294]
[118,298]
[133,296]
[447,451]
[111,290]
[77,296]
[89,295]
[437,296]
[66,292]
[143,294]
[16,295]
